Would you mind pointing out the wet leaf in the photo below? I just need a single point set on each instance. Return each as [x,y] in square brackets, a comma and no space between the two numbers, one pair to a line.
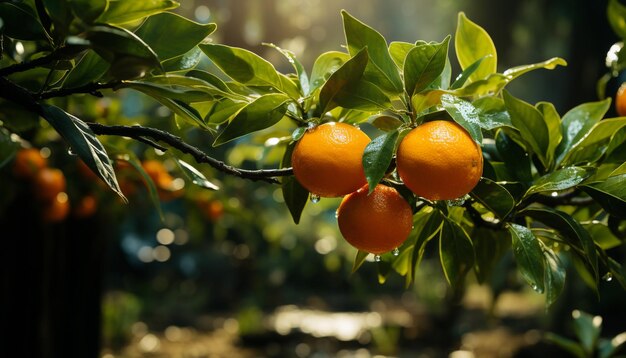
[294,194]
[456,252]
[550,64]
[20,22]
[377,157]
[398,51]
[337,84]
[90,68]
[561,179]
[494,197]
[529,121]
[195,175]
[325,65]
[467,72]
[610,194]
[555,276]
[465,114]
[529,256]
[359,259]
[84,143]
[122,11]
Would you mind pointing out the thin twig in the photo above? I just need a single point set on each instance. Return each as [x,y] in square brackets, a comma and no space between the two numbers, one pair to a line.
[91,88]
[135,132]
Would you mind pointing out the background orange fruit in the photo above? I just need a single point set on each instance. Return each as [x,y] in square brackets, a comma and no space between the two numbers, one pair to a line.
[327,160]
[28,162]
[376,223]
[439,160]
[56,209]
[620,100]
[48,183]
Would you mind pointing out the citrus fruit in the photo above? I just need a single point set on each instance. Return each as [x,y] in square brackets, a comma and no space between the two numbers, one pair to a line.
[620,100]
[211,209]
[28,162]
[439,160]
[163,180]
[327,160]
[57,209]
[48,183]
[375,223]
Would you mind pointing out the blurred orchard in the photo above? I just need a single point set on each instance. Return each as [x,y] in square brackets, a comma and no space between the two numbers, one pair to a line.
[184,270]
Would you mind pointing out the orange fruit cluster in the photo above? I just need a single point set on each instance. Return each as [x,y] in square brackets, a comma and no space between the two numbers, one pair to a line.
[437,160]
[620,100]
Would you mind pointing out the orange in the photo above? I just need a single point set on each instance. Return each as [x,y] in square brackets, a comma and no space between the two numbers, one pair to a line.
[28,162]
[439,160]
[375,223]
[212,209]
[162,180]
[57,209]
[48,183]
[327,160]
[620,100]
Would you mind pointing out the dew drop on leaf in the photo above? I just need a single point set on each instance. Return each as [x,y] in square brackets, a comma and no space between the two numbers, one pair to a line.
[608,277]
[395,252]
[71,152]
[536,288]
[310,126]
[336,214]
[315,198]
[377,258]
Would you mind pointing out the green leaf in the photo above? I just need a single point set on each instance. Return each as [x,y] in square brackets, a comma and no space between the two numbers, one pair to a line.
[360,36]
[262,113]
[17,118]
[492,113]
[123,11]
[555,276]
[490,85]
[183,62]
[398,51]
[223,111]
[171,35]
[514,72]
[182,88]
[90,68]
[60,12]
[84,143]
[587,329]
[425,100]
[424,64]
[561,179]
[577,122]
[529,256]
[593,144]
[602,235]
[529,121]
[616,13]
[573,232]
[553,122]
[377,157]
[325,65]
[494,197]
[359,259]
[610,194]
[88,10]
[467,72]
[456,252]
[426,226]
[195,175]
[472,43]
[129,56]
[20,22]
[182,109]
[243,66]
[303,78]
[337,84]
[386,123]
[465,114]
[364,96]
[294,194]
[515,158]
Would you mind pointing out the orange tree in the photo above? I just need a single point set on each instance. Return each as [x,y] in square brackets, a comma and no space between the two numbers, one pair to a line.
[551,185]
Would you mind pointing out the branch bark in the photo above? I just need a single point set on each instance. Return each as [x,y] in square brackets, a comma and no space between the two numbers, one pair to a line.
[140,133]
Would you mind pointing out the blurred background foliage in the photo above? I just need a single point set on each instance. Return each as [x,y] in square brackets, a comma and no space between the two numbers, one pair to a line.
[228,272]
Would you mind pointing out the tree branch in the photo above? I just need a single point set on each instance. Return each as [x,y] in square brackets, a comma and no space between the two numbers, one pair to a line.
[140,133]
[91,88]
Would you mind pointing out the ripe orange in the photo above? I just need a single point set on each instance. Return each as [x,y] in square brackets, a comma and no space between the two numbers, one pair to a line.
[212,209]
[327,160]
[162,179]
[57,209]
[439,160]
[620,100]
[48,183]
[28,162]
[376,223]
